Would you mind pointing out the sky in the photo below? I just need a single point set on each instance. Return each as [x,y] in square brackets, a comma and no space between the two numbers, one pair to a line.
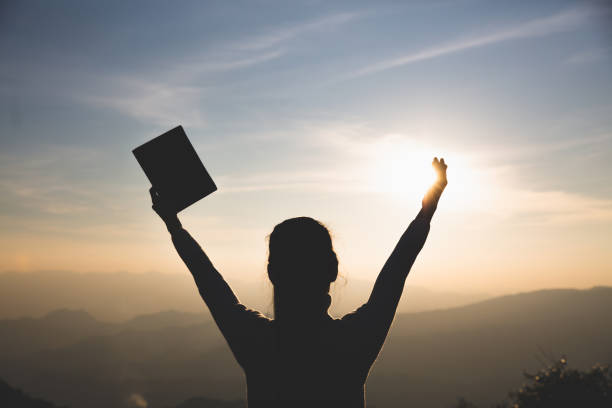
[332,110]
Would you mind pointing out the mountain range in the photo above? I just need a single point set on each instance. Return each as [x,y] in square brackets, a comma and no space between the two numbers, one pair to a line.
[477,351]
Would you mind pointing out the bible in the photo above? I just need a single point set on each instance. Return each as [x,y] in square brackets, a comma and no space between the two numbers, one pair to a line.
[173,167]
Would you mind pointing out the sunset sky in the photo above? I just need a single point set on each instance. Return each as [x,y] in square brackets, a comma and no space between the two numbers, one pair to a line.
[327,109]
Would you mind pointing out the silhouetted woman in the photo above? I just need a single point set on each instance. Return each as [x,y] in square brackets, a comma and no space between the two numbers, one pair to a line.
[304,357]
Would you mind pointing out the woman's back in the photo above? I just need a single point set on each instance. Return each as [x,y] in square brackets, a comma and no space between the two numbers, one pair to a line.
[318,362]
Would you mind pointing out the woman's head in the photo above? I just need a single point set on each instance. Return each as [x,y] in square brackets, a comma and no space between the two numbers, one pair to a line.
[301,261]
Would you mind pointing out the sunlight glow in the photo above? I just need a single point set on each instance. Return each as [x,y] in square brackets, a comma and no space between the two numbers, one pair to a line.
[402,168]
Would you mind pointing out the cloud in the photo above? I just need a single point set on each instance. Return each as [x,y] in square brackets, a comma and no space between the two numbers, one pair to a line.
[547,208]
[57,183]
[196,68]
[39,182]
[170,96]
[154,101]
[536,149]
[275,37]
[303,181]
[165,98]
[370,161]
[556,23]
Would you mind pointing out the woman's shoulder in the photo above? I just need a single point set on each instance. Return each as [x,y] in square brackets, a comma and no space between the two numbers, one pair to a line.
[253,317]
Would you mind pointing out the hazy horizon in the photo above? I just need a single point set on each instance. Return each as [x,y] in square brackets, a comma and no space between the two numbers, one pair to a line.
[123,295]
[120,296]
[328,110]
[262,280]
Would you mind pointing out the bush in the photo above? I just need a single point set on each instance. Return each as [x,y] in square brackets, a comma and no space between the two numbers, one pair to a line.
[559,386]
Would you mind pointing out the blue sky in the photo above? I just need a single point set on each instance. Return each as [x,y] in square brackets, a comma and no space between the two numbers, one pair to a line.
[313,108]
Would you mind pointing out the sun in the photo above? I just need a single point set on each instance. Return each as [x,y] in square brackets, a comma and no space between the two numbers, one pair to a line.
[401,168]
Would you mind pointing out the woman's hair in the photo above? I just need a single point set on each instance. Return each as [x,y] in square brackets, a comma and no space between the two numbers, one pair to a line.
[301,265]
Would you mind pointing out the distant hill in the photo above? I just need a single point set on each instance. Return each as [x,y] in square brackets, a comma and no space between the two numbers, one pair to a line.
[116,297]
[430,359]
[13,398]
[480,351]
[65,327]
[167,354]
[56,329]
[107,296]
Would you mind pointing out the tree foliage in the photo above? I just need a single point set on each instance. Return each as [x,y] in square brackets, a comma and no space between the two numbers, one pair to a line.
[561,386]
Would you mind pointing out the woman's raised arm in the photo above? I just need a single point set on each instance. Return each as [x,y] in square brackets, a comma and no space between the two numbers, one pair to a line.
[215,292]
[382,304]
[236,322]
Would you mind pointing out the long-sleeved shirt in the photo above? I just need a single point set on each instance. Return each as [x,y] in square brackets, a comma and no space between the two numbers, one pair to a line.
[321,362]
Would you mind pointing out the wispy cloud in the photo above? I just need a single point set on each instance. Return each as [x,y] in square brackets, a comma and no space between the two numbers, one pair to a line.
[154,101]
[549,207]
[173,96]
[210,65]
[327,180]
[256,49]
[509,153]
[281,35]
[368,161]
[45,183]
[559,22]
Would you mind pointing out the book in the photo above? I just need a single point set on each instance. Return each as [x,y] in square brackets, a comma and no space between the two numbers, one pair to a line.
[174,169]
